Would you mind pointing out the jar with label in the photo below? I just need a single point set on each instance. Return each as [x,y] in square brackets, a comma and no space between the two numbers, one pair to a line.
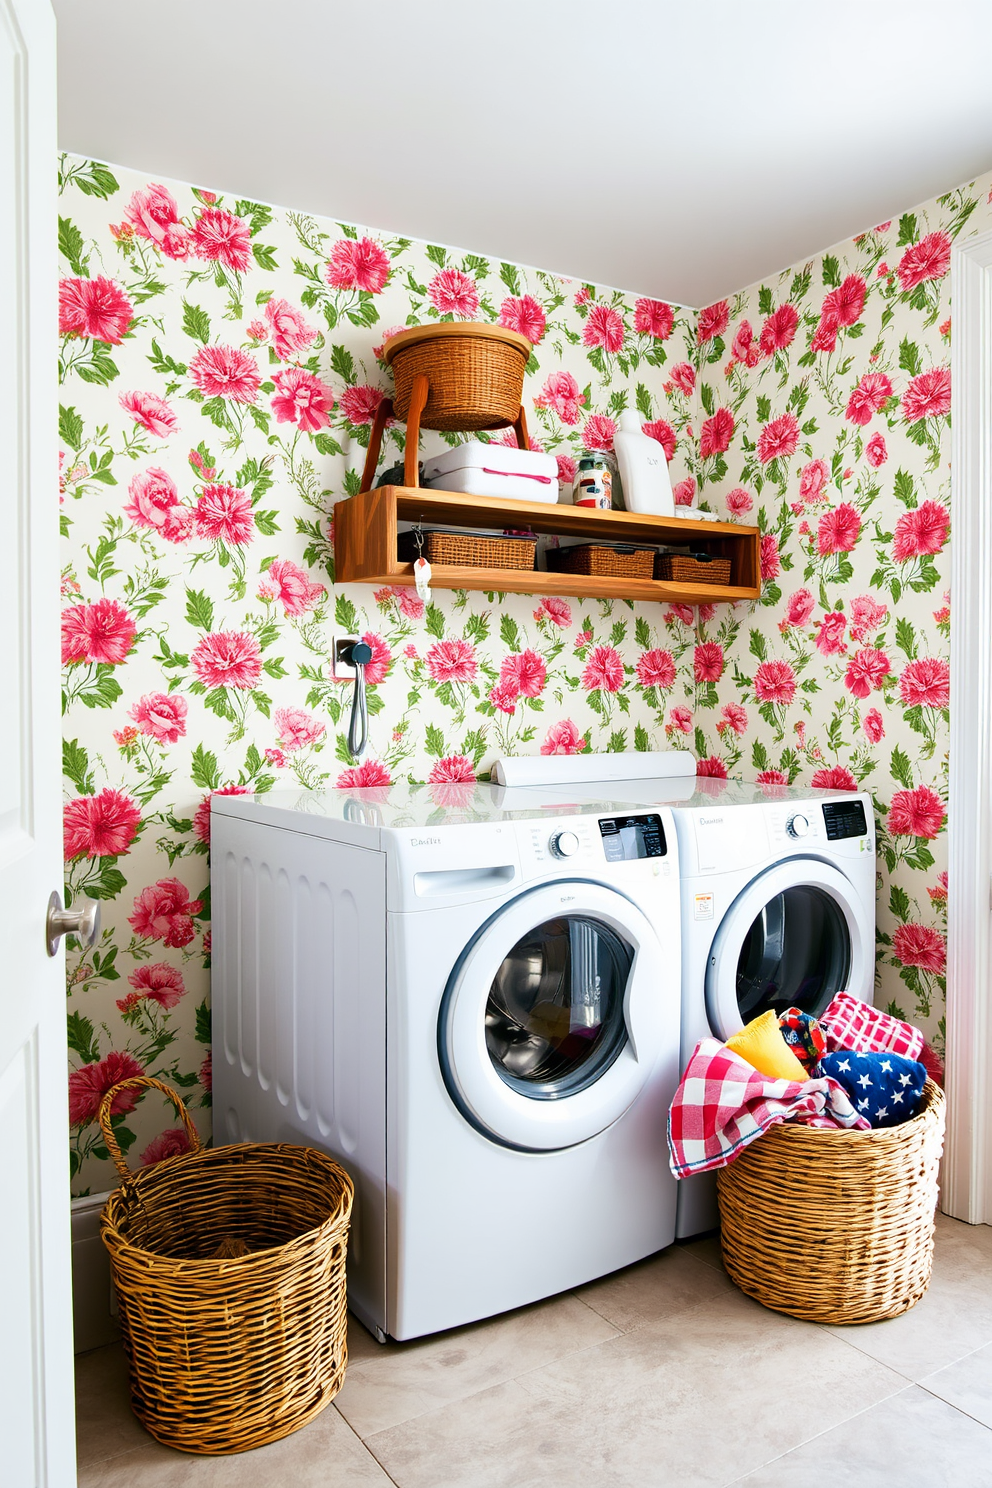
[594,482]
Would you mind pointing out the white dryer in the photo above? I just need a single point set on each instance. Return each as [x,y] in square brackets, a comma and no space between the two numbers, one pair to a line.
[476,1010]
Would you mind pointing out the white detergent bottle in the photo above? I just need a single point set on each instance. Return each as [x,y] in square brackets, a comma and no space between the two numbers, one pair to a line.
[647,487]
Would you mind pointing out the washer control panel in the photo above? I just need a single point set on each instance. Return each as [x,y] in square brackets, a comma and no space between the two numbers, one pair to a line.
[798,825]
[844,819]
[629,837]
[564,844]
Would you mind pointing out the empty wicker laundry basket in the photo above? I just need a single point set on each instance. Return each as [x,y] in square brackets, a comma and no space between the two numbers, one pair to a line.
[229,1266]
[835,1226]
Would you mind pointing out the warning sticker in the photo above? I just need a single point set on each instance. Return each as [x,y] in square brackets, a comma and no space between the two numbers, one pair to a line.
[702,907]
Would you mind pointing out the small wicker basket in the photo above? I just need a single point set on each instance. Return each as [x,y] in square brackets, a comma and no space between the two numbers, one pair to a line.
[475,373]
[465,550]
[611,562]
[229,1266]
[835,1226]
[692,568]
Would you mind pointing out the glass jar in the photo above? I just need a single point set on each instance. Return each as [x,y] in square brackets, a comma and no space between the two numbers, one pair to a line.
[594,482]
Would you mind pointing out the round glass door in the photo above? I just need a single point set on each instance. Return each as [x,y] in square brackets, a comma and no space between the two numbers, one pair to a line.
[796,953]
[554,1017]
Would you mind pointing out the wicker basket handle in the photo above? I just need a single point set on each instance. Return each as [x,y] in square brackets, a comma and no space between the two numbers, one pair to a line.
[148,1083]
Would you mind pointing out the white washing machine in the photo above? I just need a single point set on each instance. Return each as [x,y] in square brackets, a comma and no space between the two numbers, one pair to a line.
[476,1011]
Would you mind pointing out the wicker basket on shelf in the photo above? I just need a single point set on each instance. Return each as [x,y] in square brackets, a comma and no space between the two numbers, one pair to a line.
[620,562]
[835,1226]
[475,373]
[229,1267]
[466,550]
[692,568]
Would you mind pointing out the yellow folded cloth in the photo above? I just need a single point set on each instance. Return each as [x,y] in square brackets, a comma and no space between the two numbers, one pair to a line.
[761,1044]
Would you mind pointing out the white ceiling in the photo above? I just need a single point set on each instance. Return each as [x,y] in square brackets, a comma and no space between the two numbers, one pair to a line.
[681,150]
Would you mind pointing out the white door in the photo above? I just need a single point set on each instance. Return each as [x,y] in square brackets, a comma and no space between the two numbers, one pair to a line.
[554,1018]
[36,1420]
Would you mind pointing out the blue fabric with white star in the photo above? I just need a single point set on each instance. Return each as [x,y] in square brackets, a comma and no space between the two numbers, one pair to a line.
[886,1089]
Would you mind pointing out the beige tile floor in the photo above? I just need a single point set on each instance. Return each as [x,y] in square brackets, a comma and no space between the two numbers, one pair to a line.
[661,1376]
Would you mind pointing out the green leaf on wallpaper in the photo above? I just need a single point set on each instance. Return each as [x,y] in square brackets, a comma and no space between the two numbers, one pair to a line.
[434,620]
[596,358]
[642,633]
[265,257]
[907,230]
[266,523]
[95,180]
[345,615]
[163,363]
[899,903]
[106,691]
[799,288]
[258,215]
[757,645]
[81,1040]
[196,322]
[100,368]
[437,255]
[643,399]
[765,302]
[510,277]
[343,363]
[909,357]
[764,408]
[906,637]
[434,741]
[203,769]
[706,397]
[199,609]
[699,739]
[642,742]
[274,667]
[363,314]
[71,246]
[618,632]
[476,628]
[618,742]
[508,631]
[109,882]
[474,745]
[327,445]
[759,755]
[900,768]
[203,1032]
[76,766]
[904,489]
[70,427]
[472,263]
[831,269]
[352,482]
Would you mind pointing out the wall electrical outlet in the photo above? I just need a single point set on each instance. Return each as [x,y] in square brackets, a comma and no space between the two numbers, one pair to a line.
[341,671]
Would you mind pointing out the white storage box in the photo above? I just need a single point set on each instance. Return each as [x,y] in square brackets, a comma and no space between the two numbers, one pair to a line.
[481,469]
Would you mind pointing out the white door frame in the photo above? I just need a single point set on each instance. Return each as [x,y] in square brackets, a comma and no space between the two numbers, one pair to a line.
[967,1180]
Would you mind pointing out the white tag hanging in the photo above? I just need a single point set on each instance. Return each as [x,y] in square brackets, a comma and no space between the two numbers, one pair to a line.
[422,575]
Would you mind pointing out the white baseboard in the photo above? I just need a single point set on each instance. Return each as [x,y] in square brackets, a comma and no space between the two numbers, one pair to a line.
[94,1308]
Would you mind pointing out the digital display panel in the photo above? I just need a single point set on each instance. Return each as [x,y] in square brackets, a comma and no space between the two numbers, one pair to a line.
[628,837]
[844,819]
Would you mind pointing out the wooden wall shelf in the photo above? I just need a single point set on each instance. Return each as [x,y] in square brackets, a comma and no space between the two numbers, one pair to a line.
[366,526]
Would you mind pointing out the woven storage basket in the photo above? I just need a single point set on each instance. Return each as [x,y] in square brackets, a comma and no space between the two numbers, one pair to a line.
[475,373]
[621,562]
[835,1226]
[695,568]
[229,1266]
[469,551]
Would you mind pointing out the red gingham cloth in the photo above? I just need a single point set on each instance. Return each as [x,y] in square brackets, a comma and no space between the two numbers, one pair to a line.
[849,1023]
[723,1103]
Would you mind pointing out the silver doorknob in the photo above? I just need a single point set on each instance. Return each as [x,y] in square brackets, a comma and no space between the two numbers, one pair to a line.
[83,922]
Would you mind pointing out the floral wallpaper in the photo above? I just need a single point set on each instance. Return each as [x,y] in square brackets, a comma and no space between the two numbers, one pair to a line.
[220,369]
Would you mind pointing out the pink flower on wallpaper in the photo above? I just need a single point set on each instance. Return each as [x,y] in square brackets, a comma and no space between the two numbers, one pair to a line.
[563,738]
[567,469]
[799,607]
[712,768]
[654,318]
[97,308]
[221,237]
[938,894]
[835,779]
[89,1084]
[875,451]
[377,669]
[293,588]
[916,813]
[866,615]
[455,769]
[369,775]
[161,715]
[525,671]
[151,412]
[358,263]
[846,303]
[868,398]
[712,321]
[738,501]
[656,669]
[202,816]
[562,395]
[825,335]
[604,327]
[102,632]
[452,661]
[599,432]
[160,983]
[679,719]
[504,697]
[155,504]
[771,563]
[226,372]
[684,491]
[813,481]
[930,258]
[409,602]
[830,633]
[453,293]
[291,333]
[707,662]
[927,396]
[257,330]
[153,214]
[302,399]
[838,530]
[744,348]
[866,670]
[926,683]
[775,682]
[360,404]
[918,945]
[772,777]
[683,375]
[603,670]
[524,315]
[224,514]
[873,726]
[663,432]
[163,911]
[734,718]
[508,438]
[102,826]
[778,439]
[921,531]
[171,1143]
[297,729]
[716,433]
[556,611]
[228,658]
[779,330]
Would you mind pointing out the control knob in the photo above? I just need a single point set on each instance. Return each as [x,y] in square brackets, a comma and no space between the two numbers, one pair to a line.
[564,844]
[798,826]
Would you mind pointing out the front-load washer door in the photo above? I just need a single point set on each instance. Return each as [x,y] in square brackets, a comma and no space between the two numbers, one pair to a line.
[793,938]
[554,1017]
